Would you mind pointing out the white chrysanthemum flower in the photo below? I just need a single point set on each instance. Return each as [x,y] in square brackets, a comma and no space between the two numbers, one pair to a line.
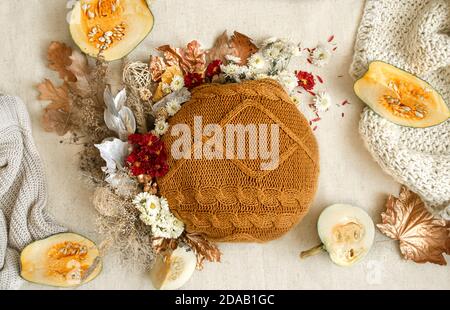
[141,198]
[272,52]
[172,107]
[177,83]
[166,88]
[322,101]
[164,204]
[149,207]
[233,71]
[155,212]
[269,41]
[167,225]
[161,127]
[261,76]
[288,80]
[257,63]
[320,56]
[233,59]
[152,206]
[295,49]
[147,220]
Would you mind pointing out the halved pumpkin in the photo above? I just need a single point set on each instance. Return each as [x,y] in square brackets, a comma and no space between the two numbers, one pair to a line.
[63,260]
[111,27]
[400,97]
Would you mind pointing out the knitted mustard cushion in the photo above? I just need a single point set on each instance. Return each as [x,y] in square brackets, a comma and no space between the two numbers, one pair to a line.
[233,198]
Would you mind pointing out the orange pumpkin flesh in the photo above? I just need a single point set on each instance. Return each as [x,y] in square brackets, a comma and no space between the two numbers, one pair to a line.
[112,28]
[62,260]
[400,97]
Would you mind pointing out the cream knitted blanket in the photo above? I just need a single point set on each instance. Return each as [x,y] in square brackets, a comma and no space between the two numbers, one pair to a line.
[22,190]
[415,36]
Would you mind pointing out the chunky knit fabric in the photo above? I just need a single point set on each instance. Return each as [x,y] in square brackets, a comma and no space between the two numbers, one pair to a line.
[22,190]
[415,36]
[234,199]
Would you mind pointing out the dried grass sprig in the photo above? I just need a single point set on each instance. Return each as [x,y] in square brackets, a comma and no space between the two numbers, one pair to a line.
[118,222]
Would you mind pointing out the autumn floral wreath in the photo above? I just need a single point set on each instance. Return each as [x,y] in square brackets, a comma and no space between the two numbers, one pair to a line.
[122,154]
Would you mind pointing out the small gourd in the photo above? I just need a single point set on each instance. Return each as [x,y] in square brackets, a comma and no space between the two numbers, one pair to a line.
[346,232]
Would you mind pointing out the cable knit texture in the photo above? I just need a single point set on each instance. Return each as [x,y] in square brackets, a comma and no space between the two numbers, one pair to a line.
[413,35]
[233,199]
[22,190]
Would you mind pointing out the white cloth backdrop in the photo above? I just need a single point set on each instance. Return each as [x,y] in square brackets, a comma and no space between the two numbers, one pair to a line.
[348,174]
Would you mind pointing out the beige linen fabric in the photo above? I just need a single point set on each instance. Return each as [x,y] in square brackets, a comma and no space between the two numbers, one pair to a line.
[348,172]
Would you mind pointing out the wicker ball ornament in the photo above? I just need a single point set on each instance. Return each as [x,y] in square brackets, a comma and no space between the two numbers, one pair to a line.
[233,198]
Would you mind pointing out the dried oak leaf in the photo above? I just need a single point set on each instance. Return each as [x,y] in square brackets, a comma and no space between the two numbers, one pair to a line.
[79,67]
[195,56]
[422,237]
[191,59]
[243,46]
[164,246]
[157,67]
[58,55]
[56,117]
[204,249]
[221,48]
[173,57]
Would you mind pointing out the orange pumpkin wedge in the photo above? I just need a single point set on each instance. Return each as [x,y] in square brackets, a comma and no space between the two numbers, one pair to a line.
[61,260]
[112,28]
[401,97]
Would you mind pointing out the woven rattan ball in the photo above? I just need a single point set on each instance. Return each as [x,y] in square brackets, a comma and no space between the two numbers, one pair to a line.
[232,198]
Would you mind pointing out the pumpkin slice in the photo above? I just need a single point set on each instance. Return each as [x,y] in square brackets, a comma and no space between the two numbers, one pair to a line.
[112,27]
[171,272]
[62,260]
[400,97]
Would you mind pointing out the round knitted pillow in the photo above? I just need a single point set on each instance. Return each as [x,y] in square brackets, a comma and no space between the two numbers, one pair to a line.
[228,197]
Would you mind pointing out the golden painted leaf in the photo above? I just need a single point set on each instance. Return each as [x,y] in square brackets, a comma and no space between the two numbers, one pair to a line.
[243,46]
[221,48]
[195,56]
[56,117]
[204,249]
[166,78]
[164,246]
[80,69]
[422,237]
[58,55]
